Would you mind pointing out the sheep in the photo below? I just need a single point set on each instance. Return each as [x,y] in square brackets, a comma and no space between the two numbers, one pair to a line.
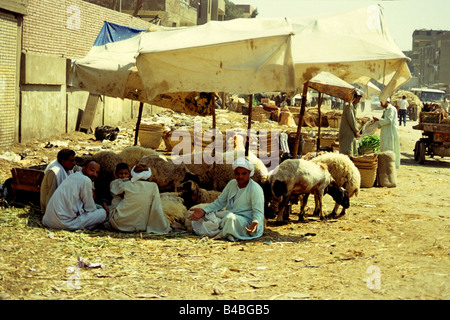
[165,173]
[133,154]
[192,194]
[345,174]
[174,209]
[108,161]
[224,171]
[295,177]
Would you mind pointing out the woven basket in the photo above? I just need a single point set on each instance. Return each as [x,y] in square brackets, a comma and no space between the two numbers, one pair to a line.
[187,134]
[265,142]
[334,122]
[367,166]
[198,140]
[150,135]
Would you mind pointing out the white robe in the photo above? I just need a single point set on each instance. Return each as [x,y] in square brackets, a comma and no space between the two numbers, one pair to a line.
[389,133]
[54,175]
[72,205]
[239,212]
[137,207]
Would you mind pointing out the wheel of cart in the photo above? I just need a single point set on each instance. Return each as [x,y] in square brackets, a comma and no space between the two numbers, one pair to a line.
[416,151]
[420,150]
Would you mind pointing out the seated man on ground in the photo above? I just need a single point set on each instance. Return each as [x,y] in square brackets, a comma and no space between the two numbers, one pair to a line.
[72,205]
[243,201]
[139,206]
[55,173]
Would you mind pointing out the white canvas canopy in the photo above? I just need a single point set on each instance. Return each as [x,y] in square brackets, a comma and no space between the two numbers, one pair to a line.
[233,56]
[246,56]
[355,46]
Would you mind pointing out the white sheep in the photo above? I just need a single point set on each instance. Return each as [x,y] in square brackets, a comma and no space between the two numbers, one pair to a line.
[165,173]
[173,208]
[296,177]
[344,172]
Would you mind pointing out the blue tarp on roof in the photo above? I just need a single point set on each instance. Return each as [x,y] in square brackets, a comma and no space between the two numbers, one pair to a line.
[112,32]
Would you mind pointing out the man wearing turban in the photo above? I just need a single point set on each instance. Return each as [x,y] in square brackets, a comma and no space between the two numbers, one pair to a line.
[243,204]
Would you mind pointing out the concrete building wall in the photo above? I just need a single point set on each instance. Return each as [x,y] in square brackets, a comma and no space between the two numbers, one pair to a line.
[218,10]
[443,43]
[9,64]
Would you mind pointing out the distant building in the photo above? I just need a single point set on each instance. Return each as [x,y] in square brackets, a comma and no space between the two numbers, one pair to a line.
[211,10]
[247,9]
[431,56]
[177,13]
[167,13]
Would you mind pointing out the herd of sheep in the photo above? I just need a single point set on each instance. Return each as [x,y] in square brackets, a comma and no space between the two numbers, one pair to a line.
[188,184]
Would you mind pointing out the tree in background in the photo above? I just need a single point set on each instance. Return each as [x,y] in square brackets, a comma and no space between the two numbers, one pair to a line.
[254,13]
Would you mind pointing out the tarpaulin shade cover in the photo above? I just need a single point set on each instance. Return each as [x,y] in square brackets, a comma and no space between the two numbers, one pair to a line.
[112,32]
[328,83]
[245,56]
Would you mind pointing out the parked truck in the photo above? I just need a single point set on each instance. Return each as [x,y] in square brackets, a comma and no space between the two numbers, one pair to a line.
[427,97]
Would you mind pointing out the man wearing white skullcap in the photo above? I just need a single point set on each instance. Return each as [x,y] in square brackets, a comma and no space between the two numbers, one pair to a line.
[140,207]
[243,201]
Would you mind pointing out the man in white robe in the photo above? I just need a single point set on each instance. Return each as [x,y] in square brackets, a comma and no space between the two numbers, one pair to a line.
[72,205]
[137,204]
[243,201]
[55,173]
[388,123]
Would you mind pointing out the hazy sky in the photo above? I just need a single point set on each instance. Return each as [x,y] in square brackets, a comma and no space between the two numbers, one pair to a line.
[402,16]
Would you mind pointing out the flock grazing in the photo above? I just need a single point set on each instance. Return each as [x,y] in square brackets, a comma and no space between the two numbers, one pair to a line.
[185,183]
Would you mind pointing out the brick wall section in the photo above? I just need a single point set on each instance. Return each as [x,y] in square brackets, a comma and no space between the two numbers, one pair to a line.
[68,28]
[8,78]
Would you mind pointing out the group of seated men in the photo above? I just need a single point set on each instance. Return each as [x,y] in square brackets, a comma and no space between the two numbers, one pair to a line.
[68,201]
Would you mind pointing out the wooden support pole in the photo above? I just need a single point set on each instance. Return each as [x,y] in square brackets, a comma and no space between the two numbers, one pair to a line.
[319,103]
[213,110]
[138,123]
[250,107]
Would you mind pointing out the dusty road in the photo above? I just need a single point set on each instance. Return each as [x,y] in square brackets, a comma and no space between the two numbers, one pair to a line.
[392,244]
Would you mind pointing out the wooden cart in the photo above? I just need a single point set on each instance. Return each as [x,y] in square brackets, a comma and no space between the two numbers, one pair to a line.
[27,179]
[435,139]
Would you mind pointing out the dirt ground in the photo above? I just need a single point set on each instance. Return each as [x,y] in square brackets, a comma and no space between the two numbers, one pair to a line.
[392,244]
